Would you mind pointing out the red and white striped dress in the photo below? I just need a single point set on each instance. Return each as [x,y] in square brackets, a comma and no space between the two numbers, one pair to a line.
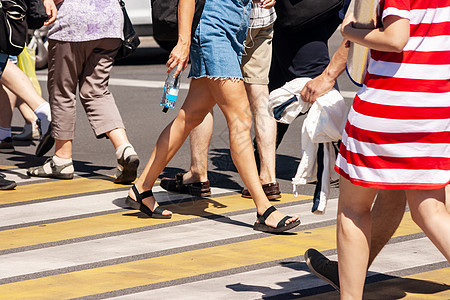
[397,134]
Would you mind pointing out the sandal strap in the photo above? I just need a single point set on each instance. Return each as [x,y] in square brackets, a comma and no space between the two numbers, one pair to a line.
[140,196]
[159,210]
[179,179]
[283,222]
[146,194]
[136,194]
[262,218]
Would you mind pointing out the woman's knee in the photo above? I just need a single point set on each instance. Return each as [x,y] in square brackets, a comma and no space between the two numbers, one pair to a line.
[425,205]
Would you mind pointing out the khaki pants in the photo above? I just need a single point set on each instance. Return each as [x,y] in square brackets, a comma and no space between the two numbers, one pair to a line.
[257,55]
[88,65]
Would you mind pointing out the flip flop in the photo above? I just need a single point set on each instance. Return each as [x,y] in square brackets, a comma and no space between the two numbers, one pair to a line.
[281,226]
[138,204]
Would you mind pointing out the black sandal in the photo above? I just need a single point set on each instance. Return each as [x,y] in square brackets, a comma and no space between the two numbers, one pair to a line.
[281,226]
[138,204]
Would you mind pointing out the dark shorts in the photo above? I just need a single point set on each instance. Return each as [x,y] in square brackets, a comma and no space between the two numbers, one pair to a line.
[300,54]
[3,61]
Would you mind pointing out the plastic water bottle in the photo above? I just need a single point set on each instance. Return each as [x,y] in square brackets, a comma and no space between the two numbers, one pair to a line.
[170,92]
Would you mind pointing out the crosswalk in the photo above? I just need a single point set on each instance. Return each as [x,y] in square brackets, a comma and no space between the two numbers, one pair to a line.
[77,239]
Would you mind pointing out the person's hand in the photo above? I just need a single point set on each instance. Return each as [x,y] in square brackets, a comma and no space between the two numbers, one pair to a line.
[178,58]
[315,88]
[50,9]
[267,4]
[347,23]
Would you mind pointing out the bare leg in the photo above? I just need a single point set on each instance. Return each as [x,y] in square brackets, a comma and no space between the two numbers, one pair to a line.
[387,213]
[265,130]
[200,138]
[5,107]
[429,212]
[63,148]
[118,137]
[27,113]
[447,197]
[353,237]
[18,82]
[196,106]
[231,98]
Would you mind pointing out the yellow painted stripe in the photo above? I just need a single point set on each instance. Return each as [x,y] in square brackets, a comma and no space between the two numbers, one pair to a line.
[52,232]
[58,188]
[172,267]
[7,167]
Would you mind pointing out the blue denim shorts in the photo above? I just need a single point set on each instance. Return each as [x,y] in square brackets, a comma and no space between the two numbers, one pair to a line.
[218,42]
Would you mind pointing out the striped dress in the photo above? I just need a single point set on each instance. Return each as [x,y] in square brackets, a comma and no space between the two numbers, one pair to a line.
[397,134]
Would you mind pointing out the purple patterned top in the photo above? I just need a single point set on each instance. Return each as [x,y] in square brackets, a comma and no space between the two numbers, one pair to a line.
[87,20]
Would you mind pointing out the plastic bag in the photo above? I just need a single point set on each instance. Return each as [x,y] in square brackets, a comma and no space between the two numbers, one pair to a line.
[26,61]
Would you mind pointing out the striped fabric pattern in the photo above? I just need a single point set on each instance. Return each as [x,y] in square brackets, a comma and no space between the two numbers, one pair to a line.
[398,131]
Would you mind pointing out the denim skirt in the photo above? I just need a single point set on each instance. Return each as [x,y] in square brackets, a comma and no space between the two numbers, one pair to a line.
[218,41]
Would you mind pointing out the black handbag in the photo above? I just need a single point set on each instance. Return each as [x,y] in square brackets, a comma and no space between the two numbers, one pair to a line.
[13,26]
[36,14]
[165,19]
[296,15]
[130,38]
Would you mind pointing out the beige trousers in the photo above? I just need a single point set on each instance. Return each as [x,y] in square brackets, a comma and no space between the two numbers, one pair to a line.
[87,65]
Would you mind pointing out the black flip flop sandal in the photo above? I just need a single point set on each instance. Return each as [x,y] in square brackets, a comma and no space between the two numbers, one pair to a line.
[138,204]
[281,226]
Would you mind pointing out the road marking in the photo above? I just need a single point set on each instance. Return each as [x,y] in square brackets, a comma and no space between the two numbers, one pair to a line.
[29,192]
[131,82]
[160,84]
[156,241]
[71,229]
[176,266]
[288,277]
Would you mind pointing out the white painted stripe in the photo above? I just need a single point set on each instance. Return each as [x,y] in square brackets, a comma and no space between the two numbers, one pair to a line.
[160,84]
[428,44]
[409,99]
[395,125]
[80,205]
[284,279]
[131,82]
[409,71]
[397,149]
[429,15]
[63,256]
[394,176]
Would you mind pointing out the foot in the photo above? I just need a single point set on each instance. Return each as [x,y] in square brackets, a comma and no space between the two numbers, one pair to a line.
[322,267]
[146,203]
[127,165]
[7,146]
[30,132]
[6,184]
[177,184]
[50,169]
[273,221]
[46,143]
[272,191]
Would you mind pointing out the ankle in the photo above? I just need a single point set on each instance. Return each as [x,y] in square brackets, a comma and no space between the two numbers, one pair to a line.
[125,150]
[191,177]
